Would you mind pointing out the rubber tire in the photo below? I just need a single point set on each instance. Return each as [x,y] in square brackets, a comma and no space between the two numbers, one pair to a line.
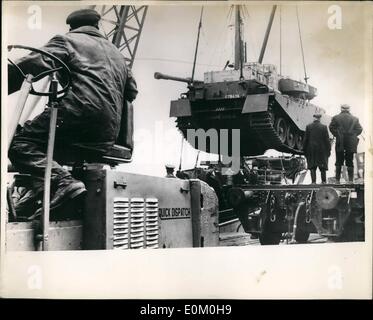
[301,236]
[268,237]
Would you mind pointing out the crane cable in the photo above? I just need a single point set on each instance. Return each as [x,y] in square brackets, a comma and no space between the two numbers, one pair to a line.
[240,39]
[181,152]
[280,16]
[301,46]
[196,51]
[222,34]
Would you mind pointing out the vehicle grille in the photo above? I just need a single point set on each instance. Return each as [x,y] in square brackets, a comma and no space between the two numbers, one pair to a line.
[135,223]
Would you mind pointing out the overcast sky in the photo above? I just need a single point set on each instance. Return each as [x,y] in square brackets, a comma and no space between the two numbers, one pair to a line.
[336,60]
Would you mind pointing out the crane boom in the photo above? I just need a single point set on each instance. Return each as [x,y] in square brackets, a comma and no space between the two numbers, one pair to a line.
[123,25]
[266,36]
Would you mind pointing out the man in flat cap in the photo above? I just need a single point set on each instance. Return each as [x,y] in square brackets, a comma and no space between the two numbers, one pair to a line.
[316,147]
[89,115]
[170,171]
[346,128]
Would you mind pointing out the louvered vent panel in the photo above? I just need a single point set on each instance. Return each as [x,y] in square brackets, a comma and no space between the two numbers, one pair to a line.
[121,223]
[135,223]
[151,223]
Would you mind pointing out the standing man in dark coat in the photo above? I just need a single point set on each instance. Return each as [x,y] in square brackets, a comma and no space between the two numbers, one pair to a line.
[317,147]
[89,115]
[346,128]
[170,171]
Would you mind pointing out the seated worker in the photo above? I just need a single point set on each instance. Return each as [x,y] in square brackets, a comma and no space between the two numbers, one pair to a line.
[89,116]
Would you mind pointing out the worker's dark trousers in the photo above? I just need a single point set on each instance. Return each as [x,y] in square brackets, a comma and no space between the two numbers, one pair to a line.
[313,175]
[341,158]
[344,156]
[28,150]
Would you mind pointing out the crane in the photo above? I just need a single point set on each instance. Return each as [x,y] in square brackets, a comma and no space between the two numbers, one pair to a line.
[123,25]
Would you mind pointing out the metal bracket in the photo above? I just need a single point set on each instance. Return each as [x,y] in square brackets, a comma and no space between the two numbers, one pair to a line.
[349,196]
[184,190]
[118,184]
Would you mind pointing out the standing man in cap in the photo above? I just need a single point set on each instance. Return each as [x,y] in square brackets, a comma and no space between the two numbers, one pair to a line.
[346,128]
[89,115]
[316,147]
[170,171]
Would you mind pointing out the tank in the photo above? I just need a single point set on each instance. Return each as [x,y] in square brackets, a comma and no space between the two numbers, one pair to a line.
[270,110]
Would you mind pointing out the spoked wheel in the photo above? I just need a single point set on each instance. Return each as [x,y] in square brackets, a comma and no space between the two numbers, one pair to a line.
[290,137]
[61,68]
[281,129]
[27,88]
[299,141]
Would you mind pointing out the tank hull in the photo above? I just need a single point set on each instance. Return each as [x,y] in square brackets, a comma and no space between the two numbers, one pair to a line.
[266,119]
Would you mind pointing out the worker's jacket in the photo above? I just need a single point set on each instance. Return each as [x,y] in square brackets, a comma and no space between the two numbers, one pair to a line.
[100,84]
[345,127]
[316,145]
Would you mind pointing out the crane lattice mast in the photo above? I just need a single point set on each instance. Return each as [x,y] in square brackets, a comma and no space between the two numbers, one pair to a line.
[123,25]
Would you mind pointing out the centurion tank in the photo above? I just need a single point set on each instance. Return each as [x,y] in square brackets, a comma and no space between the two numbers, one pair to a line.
[270,110]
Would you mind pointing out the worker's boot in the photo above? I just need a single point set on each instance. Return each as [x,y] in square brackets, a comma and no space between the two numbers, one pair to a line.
[313,175]
[27,202]
[350,171]
[338,170]
[323,176]
[68,189]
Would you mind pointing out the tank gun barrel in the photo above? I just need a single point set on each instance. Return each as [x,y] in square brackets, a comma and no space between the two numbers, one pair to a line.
[158,75]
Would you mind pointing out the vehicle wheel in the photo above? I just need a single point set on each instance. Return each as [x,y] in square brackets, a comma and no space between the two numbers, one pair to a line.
[270,238]
[290,137]
[281,129]
[299,141]
[301,236]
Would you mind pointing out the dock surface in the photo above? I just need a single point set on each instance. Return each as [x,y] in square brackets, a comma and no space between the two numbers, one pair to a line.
[244,239]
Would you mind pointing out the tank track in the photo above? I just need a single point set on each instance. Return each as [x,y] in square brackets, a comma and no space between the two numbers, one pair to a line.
[260,128]
[262,124]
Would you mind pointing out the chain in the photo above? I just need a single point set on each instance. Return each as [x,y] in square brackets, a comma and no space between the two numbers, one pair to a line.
[272,201]
[308,206]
